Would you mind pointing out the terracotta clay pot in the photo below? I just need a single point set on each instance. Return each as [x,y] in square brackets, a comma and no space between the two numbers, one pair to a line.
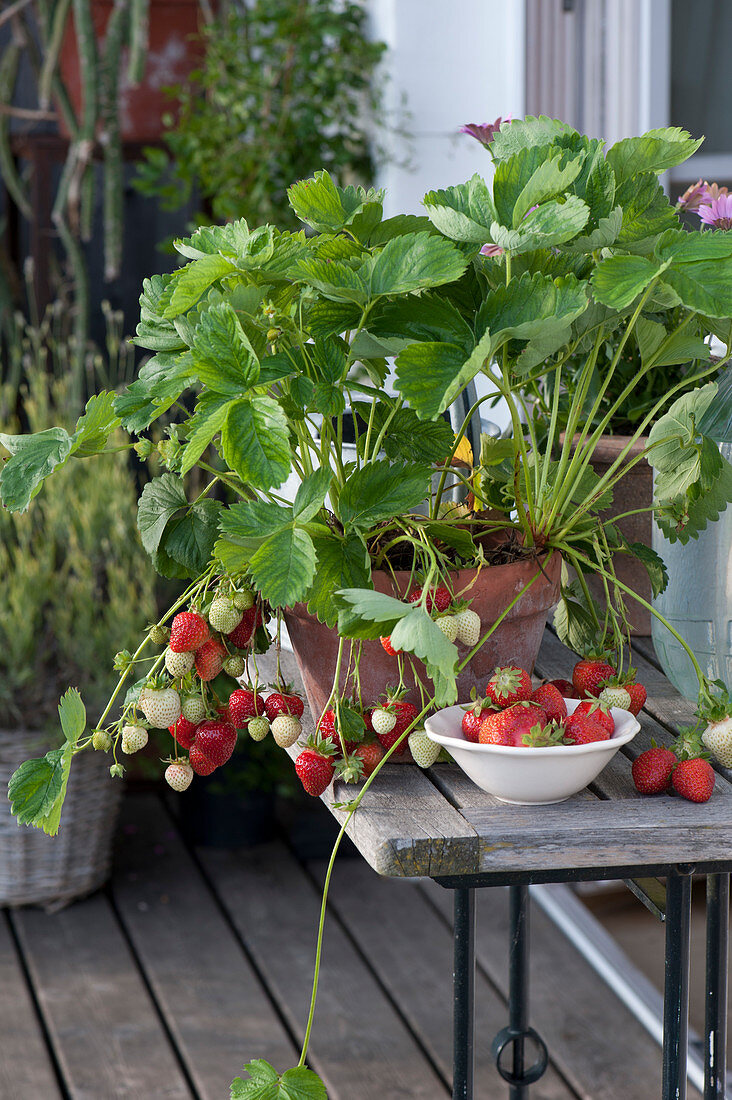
[516,639]
[634,490]
[172,53]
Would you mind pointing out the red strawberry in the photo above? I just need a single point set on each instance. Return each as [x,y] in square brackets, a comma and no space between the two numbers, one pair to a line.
[200,762]
[474,716]
[327,730]
[508,685]
[183,731]
[589,674]
[638,695]
[437,598]
[386,643]
[598,712]
[243,705]
[370,753]
[217,741]
[283,703]
[694,779]
[241,636]
[405,713]
[188,631]
[511,725]
[549,697]
[314,770]
[565,688]
[652,770]
[224,714]
[582,729]
[210,659]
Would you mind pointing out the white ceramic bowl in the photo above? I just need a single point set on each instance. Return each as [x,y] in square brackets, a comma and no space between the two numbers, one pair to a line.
[529,776]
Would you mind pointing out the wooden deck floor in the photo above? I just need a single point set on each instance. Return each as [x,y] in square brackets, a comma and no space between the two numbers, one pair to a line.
[193,962]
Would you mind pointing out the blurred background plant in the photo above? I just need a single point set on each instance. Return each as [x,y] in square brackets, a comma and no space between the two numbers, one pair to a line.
[72,566]
[285,87]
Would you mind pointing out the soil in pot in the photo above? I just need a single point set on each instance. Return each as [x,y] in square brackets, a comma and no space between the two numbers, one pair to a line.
[516,639]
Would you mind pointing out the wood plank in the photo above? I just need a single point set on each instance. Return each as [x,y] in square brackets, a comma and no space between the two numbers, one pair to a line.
[360,1046]
[404,827]
[208,993]
[609,834]
[26,1069]
[106,1034]
[593,1038]
[414,963]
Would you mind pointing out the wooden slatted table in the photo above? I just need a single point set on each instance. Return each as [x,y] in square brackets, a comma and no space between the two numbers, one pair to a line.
[438,824]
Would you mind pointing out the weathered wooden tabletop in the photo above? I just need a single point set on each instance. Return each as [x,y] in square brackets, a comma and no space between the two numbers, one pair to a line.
[438,823]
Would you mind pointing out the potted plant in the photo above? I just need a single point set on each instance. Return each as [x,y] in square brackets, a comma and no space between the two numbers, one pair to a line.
[281,89]
[265,339]
[74,586]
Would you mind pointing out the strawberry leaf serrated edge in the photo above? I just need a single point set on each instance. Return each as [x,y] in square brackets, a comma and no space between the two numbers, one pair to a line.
[38,787]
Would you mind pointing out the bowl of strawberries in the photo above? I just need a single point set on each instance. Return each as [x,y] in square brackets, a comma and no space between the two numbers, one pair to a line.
[531,746]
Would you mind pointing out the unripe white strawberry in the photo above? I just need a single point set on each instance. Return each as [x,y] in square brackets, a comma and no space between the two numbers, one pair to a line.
[615,697]
[423,749]
[235,666]
[178,664]
[717,737]
[448,625]
[161,706]
[468,627]
[383,721]
[243,600]
[134,738]
[194,709]
[286,729]
[101,741]
[223,616]
[179,776]
[258,728]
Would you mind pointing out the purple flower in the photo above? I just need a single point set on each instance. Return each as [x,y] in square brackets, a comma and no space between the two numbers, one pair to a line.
[717,213]
[693,196]
[484,132]
[491,250]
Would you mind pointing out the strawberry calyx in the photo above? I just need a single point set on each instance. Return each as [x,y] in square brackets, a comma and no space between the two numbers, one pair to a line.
[689,745]
[540,737]
[322,745]
[350,769]
[715,701]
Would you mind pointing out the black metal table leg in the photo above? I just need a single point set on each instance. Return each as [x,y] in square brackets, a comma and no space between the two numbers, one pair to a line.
[464,995]
[715,1022]
[519,1076]
[676,985]
[518,978]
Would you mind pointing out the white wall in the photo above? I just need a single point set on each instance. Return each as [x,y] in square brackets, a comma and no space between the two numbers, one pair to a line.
[453,62]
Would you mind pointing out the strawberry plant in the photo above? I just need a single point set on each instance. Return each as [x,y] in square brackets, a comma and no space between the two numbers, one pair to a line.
[268,347]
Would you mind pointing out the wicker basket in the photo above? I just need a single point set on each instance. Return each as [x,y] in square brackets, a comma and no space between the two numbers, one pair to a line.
[36,869]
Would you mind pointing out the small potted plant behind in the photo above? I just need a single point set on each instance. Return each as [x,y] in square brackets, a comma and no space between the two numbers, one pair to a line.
[74,587]
[275,335]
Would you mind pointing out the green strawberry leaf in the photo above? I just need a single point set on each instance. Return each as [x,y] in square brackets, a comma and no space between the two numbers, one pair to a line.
[324,206]
[618,280]
[654,563]
[38,787]
[311,495]
[283,567]
[223,357]
[190,540]
[264,1083]
[380,490]
[96,424]
[463,213]
[340,563]
[34,457]
[654,151]
[430,375]
[364,613]
[256,443]
[191,281]
[160,500]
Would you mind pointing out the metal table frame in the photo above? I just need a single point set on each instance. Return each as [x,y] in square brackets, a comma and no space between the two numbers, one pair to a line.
[518,1037]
